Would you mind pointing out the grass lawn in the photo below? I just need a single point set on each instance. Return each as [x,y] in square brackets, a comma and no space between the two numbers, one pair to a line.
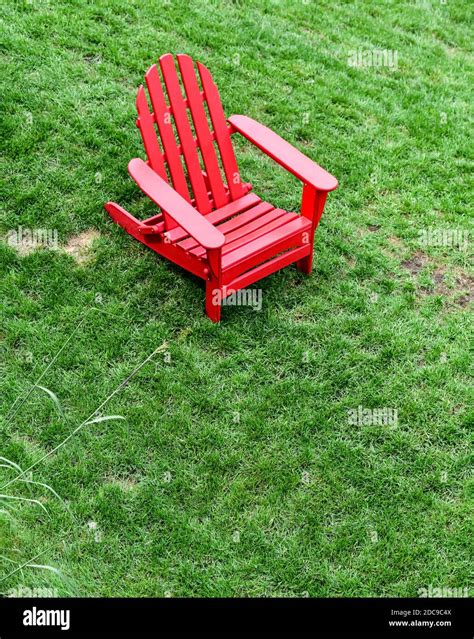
[238,470]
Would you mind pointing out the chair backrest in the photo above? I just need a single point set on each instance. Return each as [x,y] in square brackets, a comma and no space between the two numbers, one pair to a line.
[191,145]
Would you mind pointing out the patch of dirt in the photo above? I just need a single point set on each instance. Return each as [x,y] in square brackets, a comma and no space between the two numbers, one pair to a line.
[456,409]
[79,245]
[439,286]
[351,261]
[373,227]
[396,246]
[30,445]
[461,294]
[395,241]
[465,285]
[415,263]
[450,51]
[92,59]
[124,483]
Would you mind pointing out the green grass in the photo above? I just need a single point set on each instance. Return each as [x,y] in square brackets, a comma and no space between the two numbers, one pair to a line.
[236,470]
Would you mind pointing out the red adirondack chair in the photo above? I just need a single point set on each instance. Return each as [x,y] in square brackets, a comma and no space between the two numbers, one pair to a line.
[212,227]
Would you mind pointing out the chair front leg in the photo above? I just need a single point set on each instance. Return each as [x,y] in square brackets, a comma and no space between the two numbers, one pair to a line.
[214,285]
[312,207]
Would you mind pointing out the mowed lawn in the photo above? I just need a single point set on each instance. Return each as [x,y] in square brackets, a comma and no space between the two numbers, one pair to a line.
[237,469]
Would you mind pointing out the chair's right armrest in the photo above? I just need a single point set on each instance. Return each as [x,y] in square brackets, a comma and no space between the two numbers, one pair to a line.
[174,205]
[283,153]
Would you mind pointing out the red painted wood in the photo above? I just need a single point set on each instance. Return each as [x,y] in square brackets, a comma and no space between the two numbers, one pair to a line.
[312,206]
[267,268]
[121,216]
[232,224]
[176,206]
[237,206]
[243,234]
[213,308]
[163,120]
[203,133]
[214,284]
[276,219]
[245,217]
[221,131]
[147,130]
[155,219]
[255,252]
[170,251]
[243,239]
[262,226]
[284,153]
[152,229]
[183,127]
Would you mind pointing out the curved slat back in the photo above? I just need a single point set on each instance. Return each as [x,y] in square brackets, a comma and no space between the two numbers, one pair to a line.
[188,152]
[162,117]
[221,132]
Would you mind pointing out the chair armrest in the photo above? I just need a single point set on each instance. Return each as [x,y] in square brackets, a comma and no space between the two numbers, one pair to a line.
[283,153]
[174,205]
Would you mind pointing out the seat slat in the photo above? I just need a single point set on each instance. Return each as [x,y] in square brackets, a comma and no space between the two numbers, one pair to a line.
[244,224]
[239,220]
[191,158]
[244,218]
[280,218]
[221,131]
[163,120]
[203,133]
[233,208]
[260,226]
[272,242]
[148,133]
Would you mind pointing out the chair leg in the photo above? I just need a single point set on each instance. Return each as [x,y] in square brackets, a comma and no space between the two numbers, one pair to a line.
[312,207]
[213,302]
[306,264]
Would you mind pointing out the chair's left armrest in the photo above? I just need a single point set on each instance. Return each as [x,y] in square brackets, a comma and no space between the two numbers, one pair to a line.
[174,205]
[284,153]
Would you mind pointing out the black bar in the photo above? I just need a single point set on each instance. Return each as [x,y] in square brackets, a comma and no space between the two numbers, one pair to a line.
[137,617]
